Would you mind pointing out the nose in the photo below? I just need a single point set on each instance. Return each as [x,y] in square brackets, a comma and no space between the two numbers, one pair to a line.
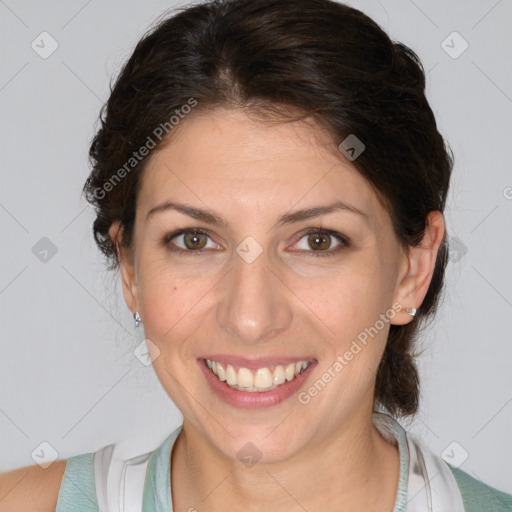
[253,304]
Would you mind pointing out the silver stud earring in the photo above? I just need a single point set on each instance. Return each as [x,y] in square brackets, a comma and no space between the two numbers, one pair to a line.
[137,318]
[411,311]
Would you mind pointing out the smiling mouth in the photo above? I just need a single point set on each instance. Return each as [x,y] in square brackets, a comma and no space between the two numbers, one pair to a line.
[259,380]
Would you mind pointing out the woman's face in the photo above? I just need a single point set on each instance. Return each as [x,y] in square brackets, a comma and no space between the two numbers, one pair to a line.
[255,291]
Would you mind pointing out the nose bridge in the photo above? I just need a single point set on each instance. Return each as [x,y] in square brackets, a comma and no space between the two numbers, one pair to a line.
[252,306]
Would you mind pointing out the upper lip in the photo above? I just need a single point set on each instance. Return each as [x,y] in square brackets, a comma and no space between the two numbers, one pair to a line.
[255,363]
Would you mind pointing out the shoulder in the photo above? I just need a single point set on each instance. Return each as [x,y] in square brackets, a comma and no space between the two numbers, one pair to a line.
[31,488]
[478,496]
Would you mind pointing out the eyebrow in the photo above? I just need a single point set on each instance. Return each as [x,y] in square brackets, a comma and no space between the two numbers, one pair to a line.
[211,217]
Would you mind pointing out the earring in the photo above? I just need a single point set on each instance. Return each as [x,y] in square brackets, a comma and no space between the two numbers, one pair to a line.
[137,318]
[411,311]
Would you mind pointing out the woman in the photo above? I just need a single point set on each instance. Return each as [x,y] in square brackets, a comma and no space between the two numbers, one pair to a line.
[269,179]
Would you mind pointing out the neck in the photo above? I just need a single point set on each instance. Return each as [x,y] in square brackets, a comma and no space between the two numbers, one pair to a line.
[353,469]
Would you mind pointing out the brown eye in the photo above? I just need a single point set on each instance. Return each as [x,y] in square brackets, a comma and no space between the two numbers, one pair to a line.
[194,240]
[319,241]
[322,242]
[190,241]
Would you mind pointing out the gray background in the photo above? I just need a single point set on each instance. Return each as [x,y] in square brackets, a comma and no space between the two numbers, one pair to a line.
[67,372]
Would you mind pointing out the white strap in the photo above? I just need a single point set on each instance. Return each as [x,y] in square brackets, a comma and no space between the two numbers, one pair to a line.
[432,486]
[101,462]
[119,483]
[132,489]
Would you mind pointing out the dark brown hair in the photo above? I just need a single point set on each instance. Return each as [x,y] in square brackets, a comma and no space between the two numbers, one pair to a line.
[317,57]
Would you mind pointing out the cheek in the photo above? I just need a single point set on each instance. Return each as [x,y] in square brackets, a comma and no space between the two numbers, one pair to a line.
[356,304]
[353,299]
[170,303]
[349,364]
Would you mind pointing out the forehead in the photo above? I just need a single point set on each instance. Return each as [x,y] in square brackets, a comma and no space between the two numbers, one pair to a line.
[226,159]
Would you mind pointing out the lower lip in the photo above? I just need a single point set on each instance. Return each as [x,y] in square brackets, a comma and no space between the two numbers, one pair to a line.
[256,399]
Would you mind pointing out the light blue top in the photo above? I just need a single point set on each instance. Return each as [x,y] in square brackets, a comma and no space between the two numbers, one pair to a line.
[77,492]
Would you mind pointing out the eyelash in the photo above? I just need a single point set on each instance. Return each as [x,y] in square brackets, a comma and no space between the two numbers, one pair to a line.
[344,241]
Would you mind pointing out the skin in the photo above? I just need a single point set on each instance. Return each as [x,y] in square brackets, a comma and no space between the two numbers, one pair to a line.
[325,455]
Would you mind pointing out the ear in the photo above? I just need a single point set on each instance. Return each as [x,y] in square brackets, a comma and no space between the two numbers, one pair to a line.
[421,262]
[126,267]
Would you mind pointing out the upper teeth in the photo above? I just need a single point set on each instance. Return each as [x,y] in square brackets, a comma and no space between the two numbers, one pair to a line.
[261,379]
